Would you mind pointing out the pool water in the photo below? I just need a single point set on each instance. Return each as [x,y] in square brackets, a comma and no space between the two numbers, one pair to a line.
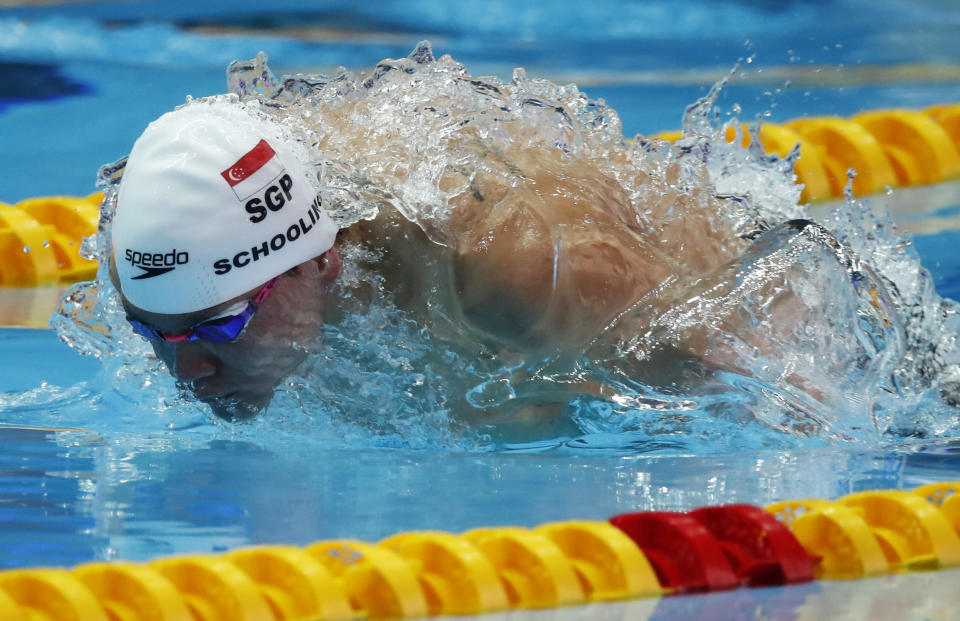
[99,72]
[87,77]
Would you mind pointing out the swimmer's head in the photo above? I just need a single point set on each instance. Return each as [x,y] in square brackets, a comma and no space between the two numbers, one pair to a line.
[212,202]
[213,206]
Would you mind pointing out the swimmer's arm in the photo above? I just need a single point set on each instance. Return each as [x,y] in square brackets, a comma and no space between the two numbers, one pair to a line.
[551,247]
[541,272]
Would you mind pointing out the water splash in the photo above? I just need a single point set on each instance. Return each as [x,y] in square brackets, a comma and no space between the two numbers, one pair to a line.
[802,335]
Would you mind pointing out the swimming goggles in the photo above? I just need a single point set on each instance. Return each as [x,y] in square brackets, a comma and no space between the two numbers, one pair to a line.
[226,327]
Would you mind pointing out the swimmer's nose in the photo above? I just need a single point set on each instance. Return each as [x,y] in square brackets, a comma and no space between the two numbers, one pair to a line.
[192,362]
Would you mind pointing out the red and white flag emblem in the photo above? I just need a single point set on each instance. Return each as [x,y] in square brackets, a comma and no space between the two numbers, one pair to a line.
[252,172]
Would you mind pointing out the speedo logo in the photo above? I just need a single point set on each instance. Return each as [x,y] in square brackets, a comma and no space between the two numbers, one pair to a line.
[155,263]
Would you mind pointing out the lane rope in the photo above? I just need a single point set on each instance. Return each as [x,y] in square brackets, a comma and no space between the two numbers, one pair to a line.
[432,573]
[888,148]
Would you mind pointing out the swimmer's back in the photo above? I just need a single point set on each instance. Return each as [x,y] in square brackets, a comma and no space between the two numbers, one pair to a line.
[543,250]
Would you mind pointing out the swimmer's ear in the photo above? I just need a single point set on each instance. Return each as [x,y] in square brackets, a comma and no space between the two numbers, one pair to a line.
[329,265]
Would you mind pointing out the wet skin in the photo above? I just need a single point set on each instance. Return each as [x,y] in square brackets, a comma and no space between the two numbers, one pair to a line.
[237,379]
[540,262]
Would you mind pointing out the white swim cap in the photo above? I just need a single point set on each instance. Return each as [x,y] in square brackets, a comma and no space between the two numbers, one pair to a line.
[212,203]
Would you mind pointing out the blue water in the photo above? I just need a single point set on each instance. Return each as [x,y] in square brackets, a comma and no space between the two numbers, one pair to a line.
[122,64]
[195,486]
[75,496]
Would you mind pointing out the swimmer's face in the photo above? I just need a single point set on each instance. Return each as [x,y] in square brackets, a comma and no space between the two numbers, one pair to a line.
[237,379]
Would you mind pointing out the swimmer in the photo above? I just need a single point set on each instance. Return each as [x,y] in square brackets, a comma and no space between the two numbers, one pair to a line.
[226,258]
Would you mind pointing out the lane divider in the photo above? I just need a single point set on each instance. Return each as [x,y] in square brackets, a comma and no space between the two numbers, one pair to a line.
[431,573]
[607,562]
[377,582]
[888,148]
[912,533]
[129,592]
[838,539]
[294,583]
[40,240]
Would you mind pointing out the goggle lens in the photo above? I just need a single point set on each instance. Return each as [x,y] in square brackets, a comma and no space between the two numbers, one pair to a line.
[223,329]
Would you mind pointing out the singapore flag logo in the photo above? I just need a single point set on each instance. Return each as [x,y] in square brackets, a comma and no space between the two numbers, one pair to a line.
[254,171]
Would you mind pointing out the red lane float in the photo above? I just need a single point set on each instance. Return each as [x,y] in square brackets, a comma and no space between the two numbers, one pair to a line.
[411,575]
[682,551]
[761,549]
[716,548]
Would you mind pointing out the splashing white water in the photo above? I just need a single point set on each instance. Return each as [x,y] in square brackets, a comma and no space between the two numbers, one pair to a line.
[866,354]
